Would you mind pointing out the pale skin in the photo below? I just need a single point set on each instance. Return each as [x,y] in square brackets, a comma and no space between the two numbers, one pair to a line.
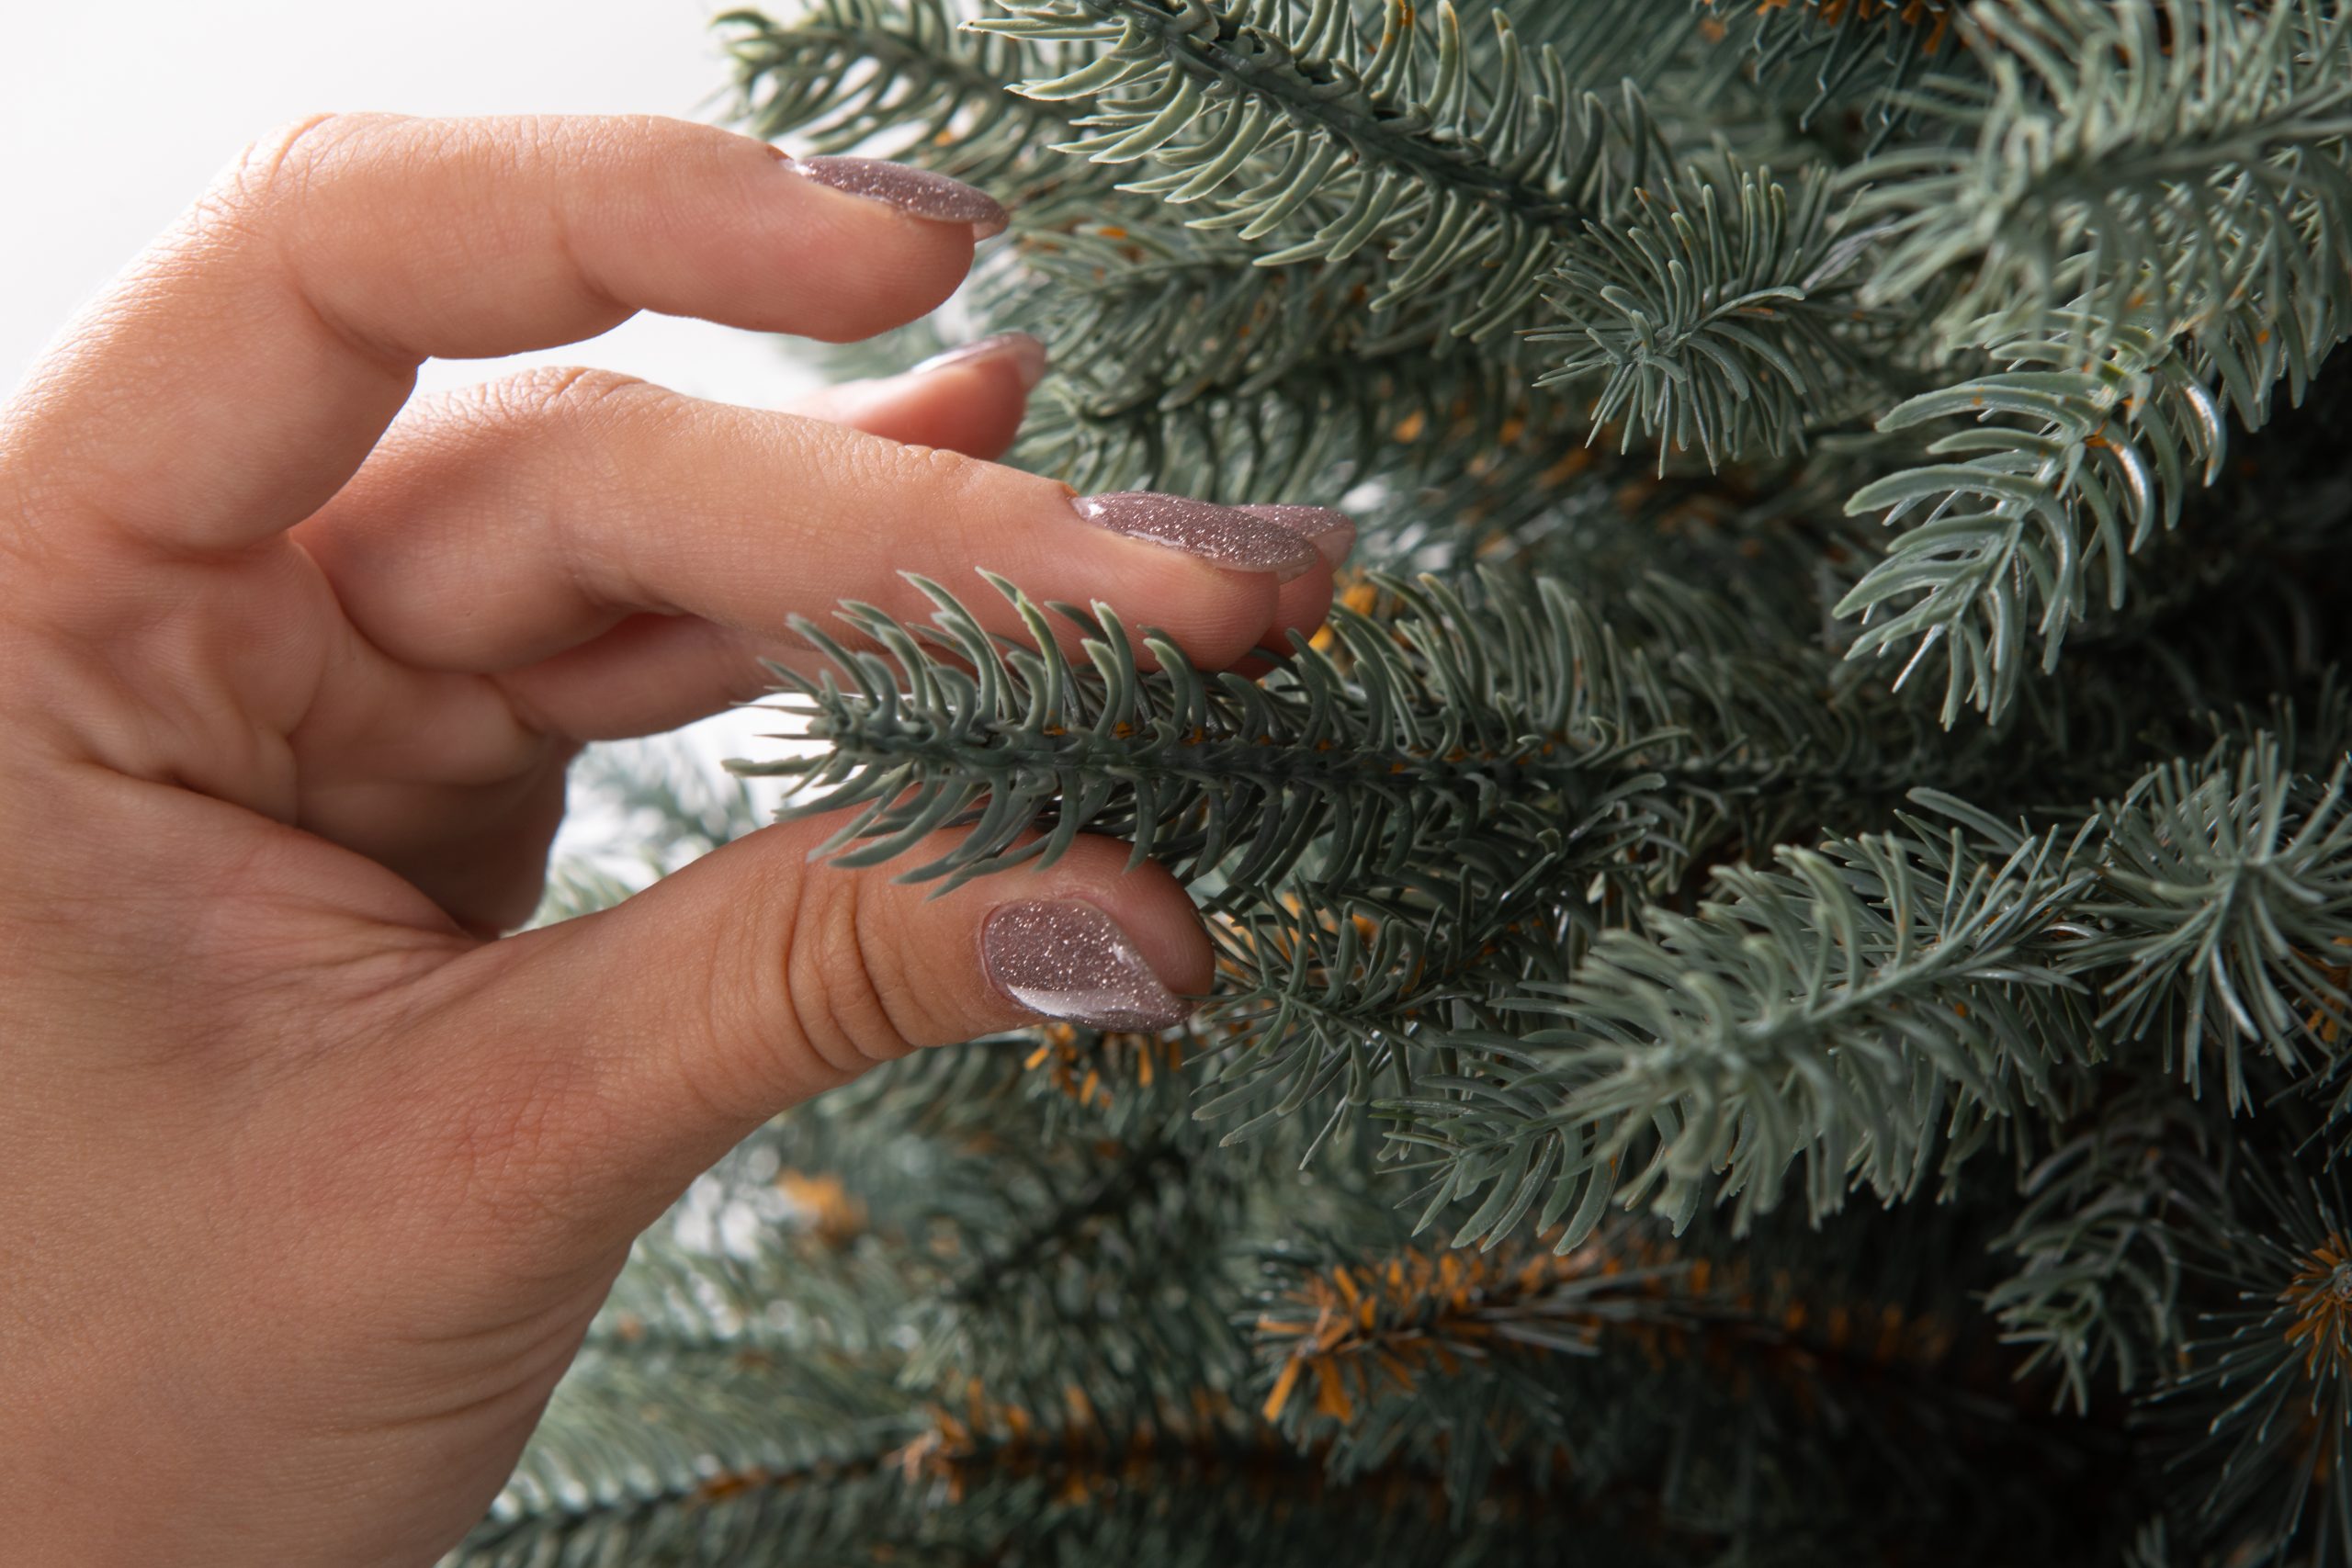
[310,1177]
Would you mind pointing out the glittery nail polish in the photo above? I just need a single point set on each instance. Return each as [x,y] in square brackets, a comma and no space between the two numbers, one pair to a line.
[1068,960]
[1225,534]
[1333,533]
[917,192]
[1025,353]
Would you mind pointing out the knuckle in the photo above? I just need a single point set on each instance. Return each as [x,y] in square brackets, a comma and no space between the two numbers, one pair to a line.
[560,395]
[278,167]
[593,423]
[775,987]
[566,411]
[951,485]
[837,1008]
[954,471]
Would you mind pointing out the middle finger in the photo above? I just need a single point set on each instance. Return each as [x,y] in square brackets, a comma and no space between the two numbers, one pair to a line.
[501,528]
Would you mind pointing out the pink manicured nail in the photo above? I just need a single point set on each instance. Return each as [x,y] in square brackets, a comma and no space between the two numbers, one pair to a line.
[917,192]
[1068,960]
[1333,533]
[1025,353]
[1225,535]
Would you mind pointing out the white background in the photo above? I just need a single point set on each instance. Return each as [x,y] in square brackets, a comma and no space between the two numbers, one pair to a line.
[115,113]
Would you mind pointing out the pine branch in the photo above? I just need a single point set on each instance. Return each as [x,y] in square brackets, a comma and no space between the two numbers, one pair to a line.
[1444,732]
[1333,419]
[1371,1355]
[1073,1289]
[1751,1398]
[1200,1481]
[2068,473]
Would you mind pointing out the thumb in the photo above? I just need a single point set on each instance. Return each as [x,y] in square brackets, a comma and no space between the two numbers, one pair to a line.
[645,1041]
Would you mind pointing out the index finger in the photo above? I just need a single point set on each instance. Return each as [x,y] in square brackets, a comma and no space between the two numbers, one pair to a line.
[243,368]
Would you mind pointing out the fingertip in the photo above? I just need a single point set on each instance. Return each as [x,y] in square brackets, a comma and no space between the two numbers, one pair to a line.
[1213,617]
[1147,903]
[880,272]
[901,282]
[971,400]
[1020,354]
[1329,530]
[974,410]
[1089,939]
[1303,604]
[1301,609]
[1250,610]
[921,193]
[1095,943]
[896,242]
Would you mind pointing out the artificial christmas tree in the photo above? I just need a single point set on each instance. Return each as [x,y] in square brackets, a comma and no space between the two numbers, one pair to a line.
[1785,959]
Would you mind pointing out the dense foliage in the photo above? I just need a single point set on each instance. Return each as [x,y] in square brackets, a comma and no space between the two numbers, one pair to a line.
[1783,958]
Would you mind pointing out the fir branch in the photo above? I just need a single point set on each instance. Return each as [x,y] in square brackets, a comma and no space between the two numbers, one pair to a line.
[2118,174]
[2257,1416]
[2067,472]
[1858,58]
[2150,231]
[2227,913]
[1722,313]
[1603,41]
[1335,1341]
[1493,733]
[2098,1294]
[1304,130]
[648,1459]
[1810,1014]
[1595,1366]
[1218,774]
[1177,355]
[1334,419]
[902,77]
[1328,1005]
[1071,1285]
[1079,1492]
[1816,1012]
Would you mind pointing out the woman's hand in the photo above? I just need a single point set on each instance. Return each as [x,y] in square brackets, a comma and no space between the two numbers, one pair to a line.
[312,1182]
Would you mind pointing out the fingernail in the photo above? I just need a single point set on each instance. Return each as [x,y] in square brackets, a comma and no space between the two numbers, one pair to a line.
[1027,354]
[1225,535]
[1069,960]
[1333,532]
[918,192]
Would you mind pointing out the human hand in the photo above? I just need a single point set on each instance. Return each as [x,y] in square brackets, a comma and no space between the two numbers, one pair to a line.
[313,1180]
